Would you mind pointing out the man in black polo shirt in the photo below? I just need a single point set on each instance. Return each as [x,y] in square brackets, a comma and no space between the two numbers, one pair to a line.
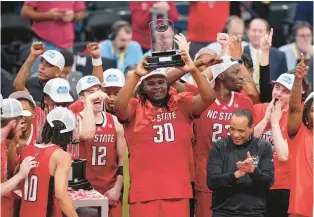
[240,170]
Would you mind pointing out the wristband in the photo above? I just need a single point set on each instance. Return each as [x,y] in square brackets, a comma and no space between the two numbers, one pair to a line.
[120,171]
[96,62]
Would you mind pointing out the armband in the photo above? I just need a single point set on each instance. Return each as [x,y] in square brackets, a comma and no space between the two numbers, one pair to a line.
[96,62]
[120,170]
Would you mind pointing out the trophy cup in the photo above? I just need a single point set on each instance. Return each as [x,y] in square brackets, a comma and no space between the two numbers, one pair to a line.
[76,177]
[164,53]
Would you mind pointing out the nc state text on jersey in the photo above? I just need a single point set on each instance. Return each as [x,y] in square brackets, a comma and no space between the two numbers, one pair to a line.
[165,116]
[226,116]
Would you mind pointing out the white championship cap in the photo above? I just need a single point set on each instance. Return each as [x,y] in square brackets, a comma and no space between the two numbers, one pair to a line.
[59,90]
[11,108]
[309,97]
[86,82]
[159,71]
[65,116]
[55,58]
[22,94]
[286,80]
[204,50]
[113,78]
[217,69]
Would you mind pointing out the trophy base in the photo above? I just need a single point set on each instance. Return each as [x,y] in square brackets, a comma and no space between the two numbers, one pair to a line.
[164,59]
[82,184]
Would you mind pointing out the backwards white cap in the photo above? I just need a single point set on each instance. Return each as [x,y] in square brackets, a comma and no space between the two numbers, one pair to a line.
[22,94]
[65,116]
[11,108]
[309,97]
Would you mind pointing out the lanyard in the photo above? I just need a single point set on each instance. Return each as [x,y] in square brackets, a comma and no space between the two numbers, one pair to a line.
[121,58]
[296,52]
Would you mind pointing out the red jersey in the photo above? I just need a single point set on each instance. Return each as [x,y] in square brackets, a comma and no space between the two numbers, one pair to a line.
[38,188]
[282,169]
[101,155]
[213,125]
[6,200]
[77,106]
[301,166]
[159,153]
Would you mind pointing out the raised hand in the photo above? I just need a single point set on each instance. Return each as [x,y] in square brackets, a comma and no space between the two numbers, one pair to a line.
[37,49]
[209,60]
[189,63]
[301,69]
[223,39]
[266,40]
[94,50]
[98,96]
[269,110]
[235,47]
[182,42]
[140,68]
[276,113]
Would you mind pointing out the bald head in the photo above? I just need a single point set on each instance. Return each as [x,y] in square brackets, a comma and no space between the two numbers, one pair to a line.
[257,29]
[235,26]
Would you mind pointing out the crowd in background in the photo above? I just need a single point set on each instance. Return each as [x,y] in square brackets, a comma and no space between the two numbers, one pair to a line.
[90,57]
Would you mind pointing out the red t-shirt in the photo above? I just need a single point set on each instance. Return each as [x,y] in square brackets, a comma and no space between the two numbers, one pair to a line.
[38,187]
[160,154]
[191,88]
[77,106]
[101,155]
[282,169]
[141,17]
[6,200]
[64,37]
[206,19]
[213,125]
[301,165]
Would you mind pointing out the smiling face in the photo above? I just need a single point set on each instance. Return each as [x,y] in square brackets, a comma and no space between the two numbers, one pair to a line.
[233,78]
[156,88]
[240,130]
[112,93]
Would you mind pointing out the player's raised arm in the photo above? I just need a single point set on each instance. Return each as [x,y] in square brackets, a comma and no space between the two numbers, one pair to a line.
[94,50]
[206,92]
[63,162]
[37,49]
[295,105]
[121,106]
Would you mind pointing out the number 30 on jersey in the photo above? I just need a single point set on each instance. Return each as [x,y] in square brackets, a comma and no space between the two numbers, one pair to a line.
[165,133]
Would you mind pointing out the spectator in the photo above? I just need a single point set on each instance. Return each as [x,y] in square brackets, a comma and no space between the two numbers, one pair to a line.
[142,16]
[302,33]
[257,29]
[53,23]
[201,32]
[234,27]
[120,47]
[240,170]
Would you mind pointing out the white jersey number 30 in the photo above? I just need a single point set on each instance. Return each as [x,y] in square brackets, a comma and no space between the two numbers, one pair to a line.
[165,133]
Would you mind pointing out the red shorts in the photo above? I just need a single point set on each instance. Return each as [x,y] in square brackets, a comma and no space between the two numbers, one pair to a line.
[203,202]
[161,208]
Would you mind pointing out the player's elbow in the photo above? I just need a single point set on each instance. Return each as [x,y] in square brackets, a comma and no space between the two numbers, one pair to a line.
[283,157]
[25,11]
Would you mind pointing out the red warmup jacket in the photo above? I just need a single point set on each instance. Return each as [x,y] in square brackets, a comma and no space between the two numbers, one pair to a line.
[141,17]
